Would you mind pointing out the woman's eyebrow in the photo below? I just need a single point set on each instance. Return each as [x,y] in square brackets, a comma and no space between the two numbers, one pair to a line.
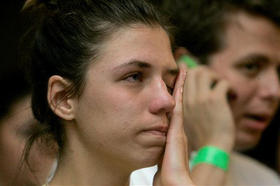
[146,65]
[141,64]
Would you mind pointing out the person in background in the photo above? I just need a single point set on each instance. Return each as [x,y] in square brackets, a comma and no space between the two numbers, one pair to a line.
[230,99]
[16,119]
[107,88]
[16,125]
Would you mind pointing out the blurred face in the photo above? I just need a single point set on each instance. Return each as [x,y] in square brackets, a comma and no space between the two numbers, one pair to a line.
[123,109]
[250,62]
[14,130]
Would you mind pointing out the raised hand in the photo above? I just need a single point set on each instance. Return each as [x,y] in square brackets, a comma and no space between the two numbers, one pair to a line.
[174,168]
[208,118]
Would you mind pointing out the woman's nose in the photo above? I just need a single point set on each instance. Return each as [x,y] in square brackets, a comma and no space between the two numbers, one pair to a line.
[162,100]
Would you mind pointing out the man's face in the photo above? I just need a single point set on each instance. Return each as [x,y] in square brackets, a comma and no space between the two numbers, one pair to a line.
[15,128]
[250,63]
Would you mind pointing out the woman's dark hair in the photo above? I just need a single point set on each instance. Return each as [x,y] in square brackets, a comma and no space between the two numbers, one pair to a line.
[201,25]
[65,37]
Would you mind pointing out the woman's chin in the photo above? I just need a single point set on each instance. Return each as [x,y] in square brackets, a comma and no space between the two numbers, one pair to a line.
[150,158]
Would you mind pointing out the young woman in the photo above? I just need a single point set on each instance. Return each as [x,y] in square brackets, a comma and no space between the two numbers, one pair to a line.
[107,88]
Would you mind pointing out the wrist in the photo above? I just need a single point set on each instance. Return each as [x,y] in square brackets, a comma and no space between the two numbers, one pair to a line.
[211,155]
[224,143]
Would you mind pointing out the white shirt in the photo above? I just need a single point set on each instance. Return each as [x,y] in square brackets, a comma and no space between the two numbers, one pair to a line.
[243,171]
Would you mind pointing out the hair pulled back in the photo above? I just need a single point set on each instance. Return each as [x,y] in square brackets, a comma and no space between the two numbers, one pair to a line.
[65,37]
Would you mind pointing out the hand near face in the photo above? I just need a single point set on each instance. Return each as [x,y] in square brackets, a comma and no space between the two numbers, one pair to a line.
[174,168]
[208,118]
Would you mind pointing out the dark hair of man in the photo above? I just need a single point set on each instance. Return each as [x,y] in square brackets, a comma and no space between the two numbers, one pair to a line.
[201,24]
[67,38]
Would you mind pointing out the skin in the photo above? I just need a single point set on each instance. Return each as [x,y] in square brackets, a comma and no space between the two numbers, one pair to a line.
[248,68]
[253,74]
[14,130]
[120,122]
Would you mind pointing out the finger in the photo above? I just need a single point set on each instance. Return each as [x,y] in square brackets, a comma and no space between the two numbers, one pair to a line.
[175,146]
[186,150]
[174,170]
[177,114]
[190,86]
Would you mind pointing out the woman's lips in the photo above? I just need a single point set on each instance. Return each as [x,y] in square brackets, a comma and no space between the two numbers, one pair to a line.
[157,130]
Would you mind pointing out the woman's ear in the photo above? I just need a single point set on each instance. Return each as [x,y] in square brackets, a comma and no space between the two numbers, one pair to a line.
[60,103]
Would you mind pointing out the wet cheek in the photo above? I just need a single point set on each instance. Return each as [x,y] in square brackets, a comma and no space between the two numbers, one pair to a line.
[122,104]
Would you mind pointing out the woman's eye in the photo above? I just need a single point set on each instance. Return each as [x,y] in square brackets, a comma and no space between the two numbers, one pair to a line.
[137,76]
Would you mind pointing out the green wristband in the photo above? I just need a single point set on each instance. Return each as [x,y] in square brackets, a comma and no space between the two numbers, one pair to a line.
[189,61]
[213,156]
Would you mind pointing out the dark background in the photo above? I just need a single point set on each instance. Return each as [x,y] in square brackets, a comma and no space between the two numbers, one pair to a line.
[9,33]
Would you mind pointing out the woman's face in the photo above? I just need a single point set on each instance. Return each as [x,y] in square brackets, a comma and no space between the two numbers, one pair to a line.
[122,112]
[14,131]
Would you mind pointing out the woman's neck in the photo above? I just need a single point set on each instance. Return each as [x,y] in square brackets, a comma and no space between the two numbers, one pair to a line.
[79,166]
